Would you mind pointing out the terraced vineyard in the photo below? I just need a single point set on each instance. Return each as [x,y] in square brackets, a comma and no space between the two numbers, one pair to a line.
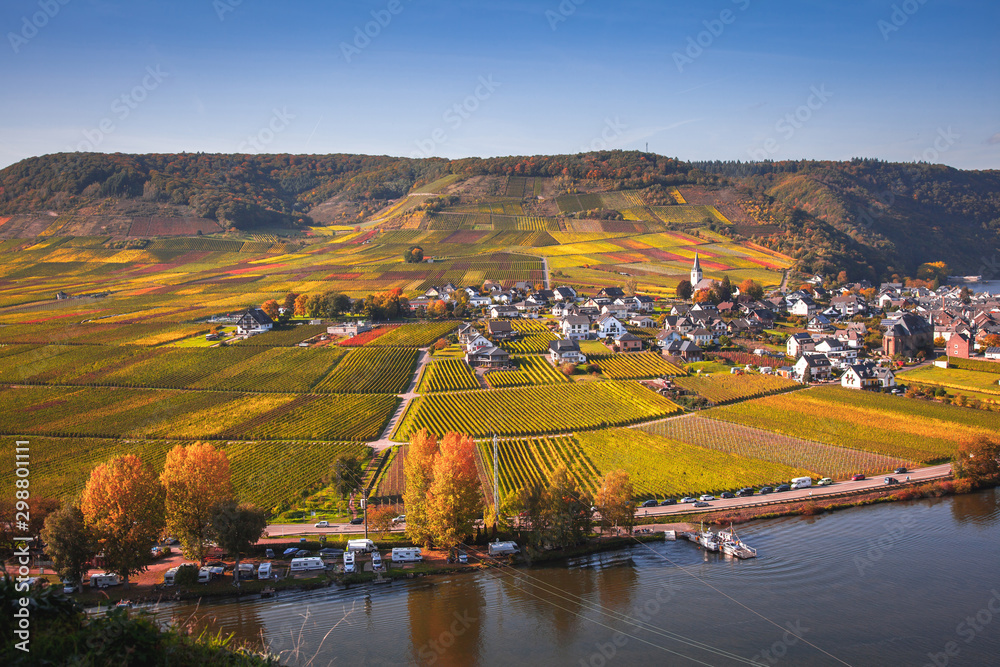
[540,410]
[823,460]
[532,369]
[447,375]
[414,335]
[531,343]
[371,370]
[635,365]
[522,462]
[725,388]
[309,417]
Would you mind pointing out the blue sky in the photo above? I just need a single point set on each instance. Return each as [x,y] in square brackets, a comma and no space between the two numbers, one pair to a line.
[715,79]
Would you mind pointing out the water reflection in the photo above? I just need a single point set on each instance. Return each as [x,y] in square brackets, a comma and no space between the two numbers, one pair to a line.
[979,509]
[446,626]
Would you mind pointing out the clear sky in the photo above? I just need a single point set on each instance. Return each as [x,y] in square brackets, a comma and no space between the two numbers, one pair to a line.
[708,79]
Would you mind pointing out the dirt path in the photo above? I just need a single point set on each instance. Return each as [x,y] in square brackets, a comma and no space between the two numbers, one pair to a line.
[384,442]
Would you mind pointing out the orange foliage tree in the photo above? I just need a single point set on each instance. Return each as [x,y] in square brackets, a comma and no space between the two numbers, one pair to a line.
[418,471]
[271,308]
[195,478]
[455,498]
[123,506]
[301,302]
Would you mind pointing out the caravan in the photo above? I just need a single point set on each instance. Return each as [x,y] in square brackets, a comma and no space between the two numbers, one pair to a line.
[103,580]
[499,548]
[801,483]
[406,555]
[264,571]
[349,567]
[365,546]
[306,564]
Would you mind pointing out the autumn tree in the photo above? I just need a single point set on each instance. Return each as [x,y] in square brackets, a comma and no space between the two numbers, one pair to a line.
[271,308]
[684,290]
[301,305]
[979,460]
[380,518]
[615,501]
[455,499]
[752,289]
[195,479]
[722,291]
[414,255]
[418,468]
[567,509]
[289,302]
[68,542]
[123,507]
[989,340]
[703,296]
[437,309]
[631,287]
[237,527]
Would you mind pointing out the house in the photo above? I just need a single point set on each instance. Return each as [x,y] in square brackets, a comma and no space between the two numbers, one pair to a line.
[253,321]
[348,328]
[628,342]
[961,346]
[575,327]
[477,343]
[804,307]
[501,330]
[479,301]
[609,326]
[838,353]
[611,293]
[642,321]
[618,310]
[849,304]
[563,308]
[433,293]
[867,375]
[992,353]
[565,351]
[820,323]
[811,367]
[61,295]
[642,304]
[564,294]
[500,311]
[700,336]
[685,349]
[489,357]
[680,309]
[906,334]
[669,336]
[798,344]
[492,286]
[527,309]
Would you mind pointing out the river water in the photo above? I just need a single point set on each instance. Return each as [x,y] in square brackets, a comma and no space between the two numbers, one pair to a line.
[914,583]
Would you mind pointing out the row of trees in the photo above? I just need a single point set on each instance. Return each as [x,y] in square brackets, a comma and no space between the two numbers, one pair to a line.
[125,508]
[720,291]
[388,305]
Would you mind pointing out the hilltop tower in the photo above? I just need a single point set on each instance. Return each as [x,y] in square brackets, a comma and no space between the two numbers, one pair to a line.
[696,274]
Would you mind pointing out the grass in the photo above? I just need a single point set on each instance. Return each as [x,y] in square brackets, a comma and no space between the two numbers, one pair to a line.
[954,378]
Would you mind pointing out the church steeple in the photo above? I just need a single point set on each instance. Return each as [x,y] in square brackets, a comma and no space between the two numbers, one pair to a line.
[696,274]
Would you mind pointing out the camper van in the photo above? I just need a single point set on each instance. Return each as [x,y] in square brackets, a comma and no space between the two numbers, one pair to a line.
[365,546]
[499,548]
[246,570]
[801,483]
[376,561]
[406,555]
[264,571]
[204,575]
[307,563]
[349,567]
[103,580]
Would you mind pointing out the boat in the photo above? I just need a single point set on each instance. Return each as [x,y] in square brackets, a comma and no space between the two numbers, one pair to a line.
[706,539]
[732,545]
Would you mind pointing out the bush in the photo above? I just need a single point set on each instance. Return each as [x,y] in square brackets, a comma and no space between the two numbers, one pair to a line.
[187,575]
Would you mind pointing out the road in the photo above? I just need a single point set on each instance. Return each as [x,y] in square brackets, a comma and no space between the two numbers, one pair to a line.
[875,483]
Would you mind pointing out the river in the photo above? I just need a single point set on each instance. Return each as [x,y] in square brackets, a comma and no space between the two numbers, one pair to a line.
[914,583]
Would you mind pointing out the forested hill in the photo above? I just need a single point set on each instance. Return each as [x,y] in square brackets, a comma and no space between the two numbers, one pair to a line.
[869,217]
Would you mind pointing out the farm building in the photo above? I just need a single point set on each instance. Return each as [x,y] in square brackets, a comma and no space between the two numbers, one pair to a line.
[565,351]
[489,357]
[349,328]
[253,321]
[867,375]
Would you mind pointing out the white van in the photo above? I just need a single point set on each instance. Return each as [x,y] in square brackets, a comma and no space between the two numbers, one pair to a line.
[406,555]
[264,571]
[366,546]
[801,483]
[307,563]
[376,561]
[103,580]
[349,566]
[499,548]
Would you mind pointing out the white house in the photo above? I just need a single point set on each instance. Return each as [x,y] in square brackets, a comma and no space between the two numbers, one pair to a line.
[616,309]
[254,321]
[500,311]
[701,336]
[804,307]
[798,344]
[609,325]
[867,375]
[642,321]
[575,327]
[565,351]
[476,343]
[817,365]
[479,301]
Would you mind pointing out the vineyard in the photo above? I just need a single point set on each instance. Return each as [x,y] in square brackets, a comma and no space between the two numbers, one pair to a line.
[288,336]
[524,462]
[637,365]
[954,378]
[414,335]
[545,409]
[392,481]
[822,460]
[366,337]
[919,431]
[532,343]
[660,467]
[531,370]
[748,359]
[371,370]
[974,365]
[725,388]
[447,375]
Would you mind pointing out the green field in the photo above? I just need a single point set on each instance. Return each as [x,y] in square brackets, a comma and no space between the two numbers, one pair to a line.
[954,378]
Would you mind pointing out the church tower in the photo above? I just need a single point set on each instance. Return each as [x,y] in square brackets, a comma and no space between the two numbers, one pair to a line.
[696,271]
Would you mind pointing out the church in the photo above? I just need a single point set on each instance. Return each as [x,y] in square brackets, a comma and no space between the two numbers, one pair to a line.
[698,282]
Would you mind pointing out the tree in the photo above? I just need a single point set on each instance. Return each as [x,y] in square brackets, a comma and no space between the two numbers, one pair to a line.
[123,507]
[271,308]
[289,302]
[346,474]
[68,543]
[341,303]
[631,287]
[752,289]
[437,309]
[841,278]
[940,342]
[567,368]
[301,304]
[703,296]
[414,255]
[195,479]
[722,291]
[989,340]
[614,501]
[455,498]
[418,473]
[380,518]
[237,527]
[567,509]
[978,459]
[684,289]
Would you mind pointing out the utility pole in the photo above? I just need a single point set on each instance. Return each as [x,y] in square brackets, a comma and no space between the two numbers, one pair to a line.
[496,492]
[364,508]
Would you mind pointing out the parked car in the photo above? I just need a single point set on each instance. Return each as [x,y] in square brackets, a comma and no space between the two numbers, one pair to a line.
[357,521]
[726,494]
[463,558]
[702,503]
[826,481]
[891,480]
[689,499]
[901,470]
[705,497]
[782,487]
[745,492]
[857,478]
[649,503]
[330,552]
[301,553]
[269,553]
[399,519]
[70,586]
[668,501]
[765,490]
[290,551]
[321,524]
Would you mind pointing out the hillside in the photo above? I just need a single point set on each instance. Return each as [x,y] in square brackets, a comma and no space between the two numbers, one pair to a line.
[869,218]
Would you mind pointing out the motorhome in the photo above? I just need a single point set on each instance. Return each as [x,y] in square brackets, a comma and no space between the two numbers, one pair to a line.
[499,548]
[801,483]
[246,570]
[204,575]
[365,546]
[349,566]
[406,555]
[264,571]
[103,580]
[376,561]
[307,563]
